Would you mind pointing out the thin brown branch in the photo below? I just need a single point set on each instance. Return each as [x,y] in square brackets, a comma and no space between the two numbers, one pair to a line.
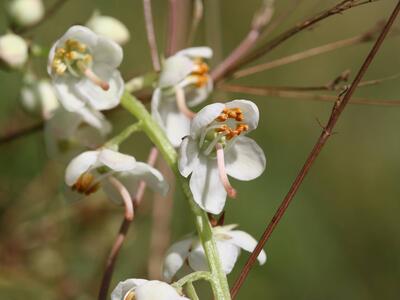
[361,38]
[272,44]
[47,15]
[337,110]
[151,37]
[21,133]
[300,93]
[260,21]
[123,230]
[177,26]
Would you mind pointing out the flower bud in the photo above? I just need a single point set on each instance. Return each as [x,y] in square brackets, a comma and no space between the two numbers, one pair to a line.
[39,98]
[26,12]
[13,50]
[109,27]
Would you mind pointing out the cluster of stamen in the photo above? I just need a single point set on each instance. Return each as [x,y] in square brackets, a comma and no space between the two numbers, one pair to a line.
[235,114]
[130,296]
[85,184]
[75,58]
[200,73]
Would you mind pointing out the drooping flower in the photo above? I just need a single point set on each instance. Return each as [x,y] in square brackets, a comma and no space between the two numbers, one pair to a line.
[229,243]
[83,67]
[92,169]
[26,12]
[38,97]
[142,289]
[68,133]
[109,27]
[217,147]
[13,50]
[184,81]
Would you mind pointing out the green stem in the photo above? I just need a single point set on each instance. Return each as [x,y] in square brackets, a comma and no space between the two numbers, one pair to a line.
[157,136]
[193,277]
[123,135]
[191,291]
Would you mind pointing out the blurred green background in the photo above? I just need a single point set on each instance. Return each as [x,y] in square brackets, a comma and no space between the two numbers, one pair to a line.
[340,239]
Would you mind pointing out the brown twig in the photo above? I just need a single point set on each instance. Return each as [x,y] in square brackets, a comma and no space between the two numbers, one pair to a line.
[21,133]
[47,15]
[361,38]
[123,230]
[272,44]
[337,110]
[260,21]
[300,93]
[151,38]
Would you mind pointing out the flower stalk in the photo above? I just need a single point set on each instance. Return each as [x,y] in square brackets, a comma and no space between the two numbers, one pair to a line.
[155,133]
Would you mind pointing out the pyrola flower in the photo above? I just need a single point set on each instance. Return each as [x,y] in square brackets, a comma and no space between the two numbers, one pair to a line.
[217,147]
[83,67]
[229,244]
[92,169]
[142,289]
[184,81]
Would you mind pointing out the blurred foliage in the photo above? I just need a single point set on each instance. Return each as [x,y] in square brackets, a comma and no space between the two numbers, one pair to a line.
[340,239]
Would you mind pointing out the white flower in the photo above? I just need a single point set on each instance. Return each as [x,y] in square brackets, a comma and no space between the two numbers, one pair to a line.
[26,12]
[216,147]
[184,81]
[13,50]
[142,289]
[66,131]
[83,67]
[109,27]
[89,170]
[229,243]
[38,97]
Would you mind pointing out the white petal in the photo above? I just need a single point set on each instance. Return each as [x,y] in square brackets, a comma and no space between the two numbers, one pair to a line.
[107,52]
[96,119]
[64,88]
[228,255]
[204,117]
[197,258]
[116,160]
[249,109]
[156,290]
[195,96]
[188,156]
[165,111]
[175,69]
[246,242]
[80,33]
[150,175]
[79,165]
[245,160]
[124,287]
[175,258]
[206,186]
[95,95]
[195,52]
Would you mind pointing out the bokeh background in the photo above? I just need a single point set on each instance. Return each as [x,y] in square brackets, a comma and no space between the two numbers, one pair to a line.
[340,239]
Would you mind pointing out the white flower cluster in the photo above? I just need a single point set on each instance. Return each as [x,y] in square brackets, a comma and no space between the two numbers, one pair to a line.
[85,81]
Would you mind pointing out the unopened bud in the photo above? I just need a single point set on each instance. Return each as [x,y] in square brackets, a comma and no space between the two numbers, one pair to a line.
[109,27]
[13,50]
[26,12]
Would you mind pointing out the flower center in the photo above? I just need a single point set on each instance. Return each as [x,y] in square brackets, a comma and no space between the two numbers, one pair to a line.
[76,58]
[130,296]
[86,184]
[199,76]
[228,125]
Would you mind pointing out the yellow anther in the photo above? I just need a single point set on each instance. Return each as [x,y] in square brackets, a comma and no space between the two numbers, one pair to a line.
[201,80]
[84,184]
[231,113]
[130,296]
